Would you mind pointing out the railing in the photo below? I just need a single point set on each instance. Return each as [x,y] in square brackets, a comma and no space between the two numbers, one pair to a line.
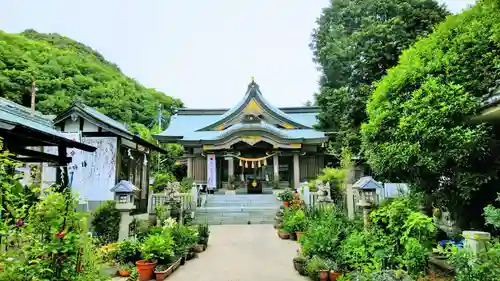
[158,199]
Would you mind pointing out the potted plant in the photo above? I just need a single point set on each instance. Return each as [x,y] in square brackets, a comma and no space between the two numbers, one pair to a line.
[155,247]
[124,270]
[203,234]
[286,196]
[283,234]
[162,271]
[317,268]
[299,263]
[335,270]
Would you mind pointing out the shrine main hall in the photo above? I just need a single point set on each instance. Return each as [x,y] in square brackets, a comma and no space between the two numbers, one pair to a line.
[252,145]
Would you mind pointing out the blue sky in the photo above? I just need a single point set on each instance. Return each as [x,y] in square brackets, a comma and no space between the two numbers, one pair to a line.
[203,52]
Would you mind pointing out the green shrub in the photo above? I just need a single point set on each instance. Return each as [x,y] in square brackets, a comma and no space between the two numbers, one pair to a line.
[314,265]
[419,128]
[158,247]
[106,222]
[128,251]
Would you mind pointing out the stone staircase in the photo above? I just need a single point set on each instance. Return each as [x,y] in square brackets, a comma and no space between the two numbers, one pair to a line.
[238,209]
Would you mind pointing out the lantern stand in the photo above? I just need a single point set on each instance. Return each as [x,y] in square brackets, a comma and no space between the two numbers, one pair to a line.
[367,190]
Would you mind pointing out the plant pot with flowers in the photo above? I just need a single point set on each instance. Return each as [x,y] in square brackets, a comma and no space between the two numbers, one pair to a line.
[155,248]
[336,270]
[286,196]
[124,270]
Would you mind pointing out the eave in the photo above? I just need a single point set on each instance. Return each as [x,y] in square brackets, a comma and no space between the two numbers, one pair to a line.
[79,109]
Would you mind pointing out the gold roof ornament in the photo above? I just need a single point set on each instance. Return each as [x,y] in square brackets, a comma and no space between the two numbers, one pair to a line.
[253,79]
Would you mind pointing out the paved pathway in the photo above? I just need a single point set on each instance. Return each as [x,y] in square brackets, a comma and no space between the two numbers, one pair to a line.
[242,253]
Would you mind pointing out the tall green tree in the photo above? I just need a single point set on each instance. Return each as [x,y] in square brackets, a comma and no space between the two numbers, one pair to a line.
[66,70]
[419,129]
[354,44]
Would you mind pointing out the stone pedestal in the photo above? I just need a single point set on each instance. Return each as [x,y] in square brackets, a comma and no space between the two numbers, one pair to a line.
[125,219]
[367,207]
[475,240]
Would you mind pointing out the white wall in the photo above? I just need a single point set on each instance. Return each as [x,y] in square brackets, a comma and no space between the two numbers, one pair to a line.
[91,174]
[94,173]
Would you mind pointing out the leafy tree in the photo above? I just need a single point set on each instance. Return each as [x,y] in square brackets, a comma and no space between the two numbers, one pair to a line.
[65,70]
[356,41]
[419,129]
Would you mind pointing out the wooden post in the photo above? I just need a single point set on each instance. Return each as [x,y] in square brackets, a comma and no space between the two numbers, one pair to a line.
[33,95]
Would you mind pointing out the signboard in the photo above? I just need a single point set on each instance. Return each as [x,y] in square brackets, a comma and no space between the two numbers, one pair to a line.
[211,171]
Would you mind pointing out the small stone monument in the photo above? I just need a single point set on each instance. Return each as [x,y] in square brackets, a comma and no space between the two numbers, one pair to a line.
[323,192]
[124,197]
[475,241]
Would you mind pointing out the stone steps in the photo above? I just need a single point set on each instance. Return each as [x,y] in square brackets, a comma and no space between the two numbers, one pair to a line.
[238,209]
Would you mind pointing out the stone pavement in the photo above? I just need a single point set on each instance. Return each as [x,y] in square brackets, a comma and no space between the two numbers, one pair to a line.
[242,253]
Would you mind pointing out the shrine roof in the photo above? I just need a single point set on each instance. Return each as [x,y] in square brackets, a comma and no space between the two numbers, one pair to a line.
[189,125]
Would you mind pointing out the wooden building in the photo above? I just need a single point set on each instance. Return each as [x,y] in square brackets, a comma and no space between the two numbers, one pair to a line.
[120,155]
[26,134]
[253,143]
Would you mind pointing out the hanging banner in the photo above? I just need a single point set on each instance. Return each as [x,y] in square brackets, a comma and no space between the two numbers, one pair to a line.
[211,171]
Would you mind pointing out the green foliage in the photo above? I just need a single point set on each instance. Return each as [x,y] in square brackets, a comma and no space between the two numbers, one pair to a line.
[52,244]
[325,233]
[286,196]
[203,233]
[492,215]
[355,43]
[419,130]
[294,220]
[128,251]
[158,247]
[65,70]
[184,237]
[314,265]
[161,180]
[106,222]
[470,267]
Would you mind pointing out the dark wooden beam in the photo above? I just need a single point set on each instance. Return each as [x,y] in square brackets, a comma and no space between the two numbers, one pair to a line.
[98,134]
[39,155]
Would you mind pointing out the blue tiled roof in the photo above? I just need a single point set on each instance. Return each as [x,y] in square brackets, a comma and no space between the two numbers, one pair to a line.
[16,114]
[186,126]
[202,124]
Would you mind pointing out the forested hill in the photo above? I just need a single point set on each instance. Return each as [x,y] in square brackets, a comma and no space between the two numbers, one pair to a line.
[66,70]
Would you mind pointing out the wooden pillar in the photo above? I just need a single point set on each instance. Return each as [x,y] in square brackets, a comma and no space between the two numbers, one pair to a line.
[230,167]
[62,154]
[276,167]
[296,170]
[189,167]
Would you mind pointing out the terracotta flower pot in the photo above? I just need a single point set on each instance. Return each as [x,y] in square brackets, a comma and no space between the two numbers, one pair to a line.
[286,204]
[124,273]
[293,236]
[145,269]
[299,234]
[323,275]
[334,275]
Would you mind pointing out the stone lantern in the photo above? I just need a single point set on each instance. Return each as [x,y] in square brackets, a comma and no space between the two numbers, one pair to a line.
[124,197]
[367,190]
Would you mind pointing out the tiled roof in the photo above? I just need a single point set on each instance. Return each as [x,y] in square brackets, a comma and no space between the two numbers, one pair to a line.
[186,126]
[16,114]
